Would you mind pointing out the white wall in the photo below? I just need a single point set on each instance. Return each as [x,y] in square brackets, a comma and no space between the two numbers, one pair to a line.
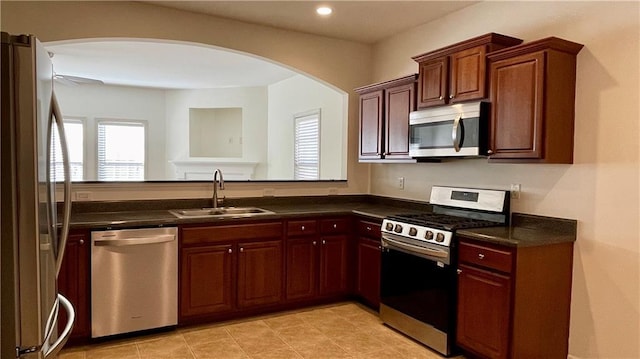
[297,95]
[252,101]
[98,102]
[215,132]
[601,190]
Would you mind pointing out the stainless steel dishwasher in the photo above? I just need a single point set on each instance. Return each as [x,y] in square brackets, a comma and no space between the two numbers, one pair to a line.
[134,280]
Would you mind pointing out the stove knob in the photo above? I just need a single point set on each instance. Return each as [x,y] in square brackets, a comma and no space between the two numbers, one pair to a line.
[398,228]
[440,237]
[413,231]
[428,236]
[389,226]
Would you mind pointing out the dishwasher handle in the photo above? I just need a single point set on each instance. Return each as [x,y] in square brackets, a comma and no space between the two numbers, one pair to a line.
[133,241]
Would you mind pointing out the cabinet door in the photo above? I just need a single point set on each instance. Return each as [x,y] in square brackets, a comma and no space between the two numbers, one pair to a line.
[206,285]
[432,82]
[333,265]
[73,283]
[260,270]
[483,312]
[400,100]
[368,272]
[468,75]
[302,267]
[517,93]
[371,125]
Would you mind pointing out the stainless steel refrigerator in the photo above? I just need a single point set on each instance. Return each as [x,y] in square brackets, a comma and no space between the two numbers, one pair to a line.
[33,232]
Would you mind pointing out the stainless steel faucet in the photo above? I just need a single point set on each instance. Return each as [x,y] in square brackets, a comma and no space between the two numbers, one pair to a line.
[215,200]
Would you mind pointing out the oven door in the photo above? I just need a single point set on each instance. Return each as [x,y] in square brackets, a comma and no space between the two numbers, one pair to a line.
[419,286]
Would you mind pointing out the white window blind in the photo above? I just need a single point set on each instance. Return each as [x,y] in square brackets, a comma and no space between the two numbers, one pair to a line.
[121,151]
[74,133]
[307,146]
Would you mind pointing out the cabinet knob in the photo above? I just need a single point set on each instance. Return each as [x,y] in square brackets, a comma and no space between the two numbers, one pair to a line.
[241,249]
[480,256]
[230,250]
[489,151]
[451,96]
[458,271]
[335,226]
[441,98]
[324,242]
[368,228]
[81,242]
[302,228]
[314,243]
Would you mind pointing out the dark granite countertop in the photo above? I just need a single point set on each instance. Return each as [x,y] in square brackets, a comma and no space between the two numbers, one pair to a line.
[524,230]
[127,214]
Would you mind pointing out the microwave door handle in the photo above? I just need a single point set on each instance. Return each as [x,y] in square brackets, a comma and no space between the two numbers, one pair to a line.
[454,134]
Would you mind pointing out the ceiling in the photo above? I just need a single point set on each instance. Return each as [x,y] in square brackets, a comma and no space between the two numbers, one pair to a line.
[362,21]
[180,65]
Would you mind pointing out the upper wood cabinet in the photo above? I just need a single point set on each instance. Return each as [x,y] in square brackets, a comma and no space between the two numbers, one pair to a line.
[458,72]
[384,118]
[533,100]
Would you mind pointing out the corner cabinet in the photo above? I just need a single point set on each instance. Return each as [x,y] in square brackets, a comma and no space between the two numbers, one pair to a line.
[533,99]
[384,119]
[458,72]
[514,302]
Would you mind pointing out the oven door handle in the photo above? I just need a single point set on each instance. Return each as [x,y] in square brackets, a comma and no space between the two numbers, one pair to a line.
[408,247]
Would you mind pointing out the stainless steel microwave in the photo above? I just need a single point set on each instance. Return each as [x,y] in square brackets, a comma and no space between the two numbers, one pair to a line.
[459,130]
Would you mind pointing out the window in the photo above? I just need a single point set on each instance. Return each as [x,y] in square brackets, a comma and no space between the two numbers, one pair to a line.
[306,155]
[121,150]
[74,133]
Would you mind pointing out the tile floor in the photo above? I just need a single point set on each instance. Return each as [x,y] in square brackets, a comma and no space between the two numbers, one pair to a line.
[342,330]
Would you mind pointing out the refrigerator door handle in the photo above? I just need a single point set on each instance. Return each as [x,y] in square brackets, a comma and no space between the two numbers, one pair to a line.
[64,336]
[55,112]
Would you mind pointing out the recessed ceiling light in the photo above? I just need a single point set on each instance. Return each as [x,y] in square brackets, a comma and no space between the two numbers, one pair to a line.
[324,10]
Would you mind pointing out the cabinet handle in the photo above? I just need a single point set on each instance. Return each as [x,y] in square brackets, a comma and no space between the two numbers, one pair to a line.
[230,250]
[440,98]
[241,249]
[314,243]
[480,256]
[302,228]
[81,242]
[458,271]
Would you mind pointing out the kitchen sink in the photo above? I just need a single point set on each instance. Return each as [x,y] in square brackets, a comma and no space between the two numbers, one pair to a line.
[236,212]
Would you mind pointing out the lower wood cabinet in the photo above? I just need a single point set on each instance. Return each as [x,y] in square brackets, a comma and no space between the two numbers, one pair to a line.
[207,280]
[230,267]
[368,262]
[514,302]
[317,258]
[73,283]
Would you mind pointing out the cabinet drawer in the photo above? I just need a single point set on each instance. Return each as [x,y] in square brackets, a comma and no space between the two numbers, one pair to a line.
[490,257]
[369,229]
[215,234]
[302,228]
[335,225]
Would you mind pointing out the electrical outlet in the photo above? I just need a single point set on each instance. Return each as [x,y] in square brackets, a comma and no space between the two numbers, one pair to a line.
[515,191]
[400,183]
[83,196]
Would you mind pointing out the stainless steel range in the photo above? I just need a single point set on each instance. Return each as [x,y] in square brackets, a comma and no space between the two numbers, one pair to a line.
[418,276]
